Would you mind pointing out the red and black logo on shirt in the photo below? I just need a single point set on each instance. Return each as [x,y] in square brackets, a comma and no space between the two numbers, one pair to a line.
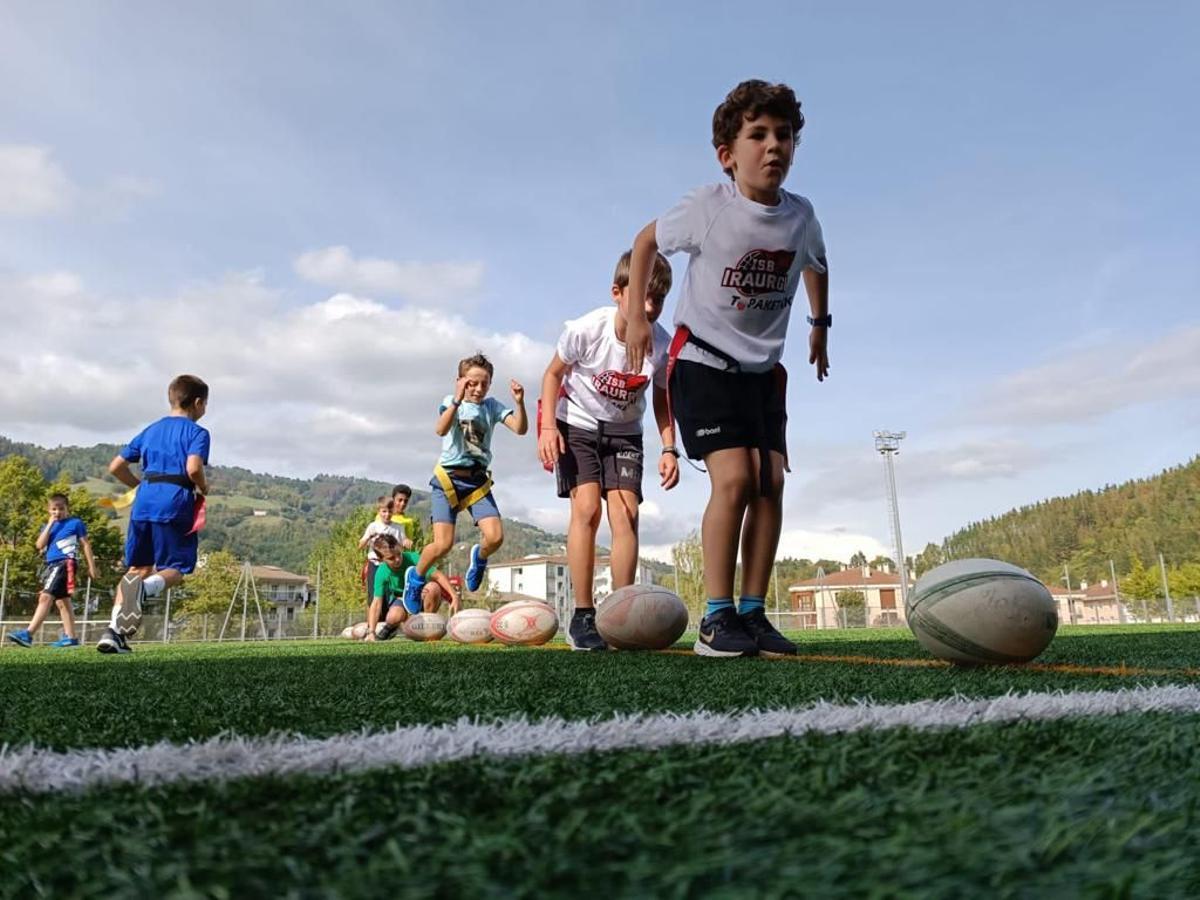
[620,387]
[759,272]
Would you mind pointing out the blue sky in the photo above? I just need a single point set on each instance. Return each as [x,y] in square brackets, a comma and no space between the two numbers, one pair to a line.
[320,207]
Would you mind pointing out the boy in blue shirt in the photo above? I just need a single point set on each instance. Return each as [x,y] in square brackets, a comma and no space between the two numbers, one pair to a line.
[60,539]
[160,546]
[461,478]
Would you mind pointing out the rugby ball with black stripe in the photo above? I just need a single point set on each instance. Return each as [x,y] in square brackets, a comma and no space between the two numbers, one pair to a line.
[977,612]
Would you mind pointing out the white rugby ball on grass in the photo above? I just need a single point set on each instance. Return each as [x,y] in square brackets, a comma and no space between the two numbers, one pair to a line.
[982,612]
[471,626]
[641,617]
[357,632]
[524,622]
[425,627]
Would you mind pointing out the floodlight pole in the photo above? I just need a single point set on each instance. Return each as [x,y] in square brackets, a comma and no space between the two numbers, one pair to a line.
[1112,570]
[1162,567]
[887,444]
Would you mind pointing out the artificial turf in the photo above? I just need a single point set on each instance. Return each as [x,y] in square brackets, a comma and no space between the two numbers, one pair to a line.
[1080,808]
[62,700]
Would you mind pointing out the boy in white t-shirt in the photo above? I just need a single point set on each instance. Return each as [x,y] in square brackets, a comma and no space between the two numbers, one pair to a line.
[381,524]
[595,436]
[750,244]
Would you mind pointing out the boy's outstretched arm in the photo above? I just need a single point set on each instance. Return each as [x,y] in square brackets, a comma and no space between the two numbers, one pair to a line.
[637,328]
[550,442]
[668,463]
[119,469]
[519,421]
[816,285]
[373,612]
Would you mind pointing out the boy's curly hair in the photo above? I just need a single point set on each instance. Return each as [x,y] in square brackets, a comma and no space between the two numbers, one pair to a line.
[749,100]
[384,543]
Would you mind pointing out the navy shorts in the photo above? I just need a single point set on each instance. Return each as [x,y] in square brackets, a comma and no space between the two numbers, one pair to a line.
[163,545]
[484,508]
[614,461]
[720,410]
[58,579]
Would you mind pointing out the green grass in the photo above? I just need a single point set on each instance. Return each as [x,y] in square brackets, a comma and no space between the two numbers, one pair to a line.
[1096,808]
[1104,808]
[81,698]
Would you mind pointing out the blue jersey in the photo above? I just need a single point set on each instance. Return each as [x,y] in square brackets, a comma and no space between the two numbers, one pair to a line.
[468,443]
[64,539]
[163,449]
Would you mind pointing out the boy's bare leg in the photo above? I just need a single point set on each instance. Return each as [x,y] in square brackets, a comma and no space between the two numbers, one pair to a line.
[760,534]
[491,532]
[443,540]
[623,520]
[731,474]
[67,613]
[396,615]
[44,602]
[581,540]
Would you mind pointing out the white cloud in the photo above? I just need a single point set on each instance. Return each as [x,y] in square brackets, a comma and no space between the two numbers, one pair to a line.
[857,476]
[336,267]
[1088,384]
[32,183]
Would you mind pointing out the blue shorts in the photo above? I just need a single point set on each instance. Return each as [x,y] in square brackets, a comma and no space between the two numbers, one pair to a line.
[163,545]
[484,508]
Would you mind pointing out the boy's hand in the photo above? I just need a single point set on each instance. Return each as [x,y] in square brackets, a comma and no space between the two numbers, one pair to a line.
[668,469]
[460,389]
[817,355]
[550,446]
[408,544]
[92,573]
[369,637]
[638,343]
[518,390]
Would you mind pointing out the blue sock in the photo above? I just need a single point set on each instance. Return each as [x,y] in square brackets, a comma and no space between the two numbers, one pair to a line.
[750,604]
[715,606]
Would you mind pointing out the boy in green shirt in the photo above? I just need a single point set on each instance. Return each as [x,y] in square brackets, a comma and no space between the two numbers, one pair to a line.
[387,593]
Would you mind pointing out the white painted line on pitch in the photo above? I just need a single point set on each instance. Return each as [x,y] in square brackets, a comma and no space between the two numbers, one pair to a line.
[34,770]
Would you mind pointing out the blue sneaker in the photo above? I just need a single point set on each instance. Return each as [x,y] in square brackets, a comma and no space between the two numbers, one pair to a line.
[414,583]
[65,641]
[22,637]
[477,568]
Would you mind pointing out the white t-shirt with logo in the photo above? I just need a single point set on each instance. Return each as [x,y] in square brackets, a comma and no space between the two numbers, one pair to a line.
[599,386]
[744,270]
[376,528]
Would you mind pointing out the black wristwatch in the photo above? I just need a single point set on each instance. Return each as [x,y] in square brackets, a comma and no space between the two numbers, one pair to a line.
[825,321]
[672,449]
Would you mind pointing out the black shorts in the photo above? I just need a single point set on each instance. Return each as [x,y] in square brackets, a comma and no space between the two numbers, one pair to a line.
[614,461]
[58,579]
[719,410]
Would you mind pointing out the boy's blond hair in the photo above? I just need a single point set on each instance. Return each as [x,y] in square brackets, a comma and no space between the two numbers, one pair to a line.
[660,278]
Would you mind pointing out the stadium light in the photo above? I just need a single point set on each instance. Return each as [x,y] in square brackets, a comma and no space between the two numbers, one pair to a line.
[887,444]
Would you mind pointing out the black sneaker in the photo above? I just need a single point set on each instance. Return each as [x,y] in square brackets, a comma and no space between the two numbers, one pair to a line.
[131,593]
[113,642]
[582,633]
[770,642]
[724,634]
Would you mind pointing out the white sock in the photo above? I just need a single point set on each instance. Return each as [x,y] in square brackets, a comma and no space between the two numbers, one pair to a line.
[112,622]
[154,585]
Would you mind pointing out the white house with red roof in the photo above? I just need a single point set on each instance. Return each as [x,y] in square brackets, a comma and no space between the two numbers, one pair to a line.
[814,601]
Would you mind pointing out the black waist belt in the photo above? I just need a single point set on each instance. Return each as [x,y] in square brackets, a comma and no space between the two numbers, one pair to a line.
[731,362]
[175,478]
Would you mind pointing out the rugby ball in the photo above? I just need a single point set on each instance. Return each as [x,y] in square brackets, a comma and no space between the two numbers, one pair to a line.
[357,632]
[977,612]
[348,632]
[526,622]
[471,626]
[641,617]
[425,627]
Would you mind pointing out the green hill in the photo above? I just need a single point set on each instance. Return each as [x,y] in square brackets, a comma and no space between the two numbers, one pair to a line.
[1135,520]
[268,519]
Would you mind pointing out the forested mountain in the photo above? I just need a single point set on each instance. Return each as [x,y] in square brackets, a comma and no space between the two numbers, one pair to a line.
[267,519]
[1127,523]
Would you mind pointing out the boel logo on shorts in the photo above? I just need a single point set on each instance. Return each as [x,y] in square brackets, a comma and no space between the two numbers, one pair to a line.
[705,432]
